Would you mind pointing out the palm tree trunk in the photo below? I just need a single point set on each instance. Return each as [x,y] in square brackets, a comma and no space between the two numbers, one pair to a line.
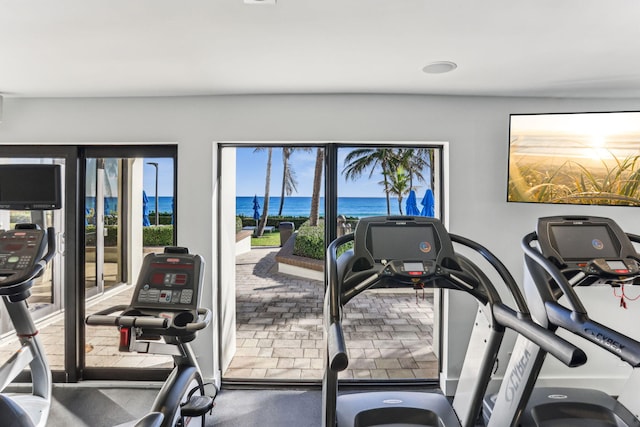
[265,207]
[314,215]
[386,192]
[285,166]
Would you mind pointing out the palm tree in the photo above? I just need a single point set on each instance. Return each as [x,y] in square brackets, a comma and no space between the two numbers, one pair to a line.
[267,183]
[289,183]
[399,184]
[361,159]
[415,161]
[314,215]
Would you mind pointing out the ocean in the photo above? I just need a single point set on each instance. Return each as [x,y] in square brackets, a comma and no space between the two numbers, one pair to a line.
[165,204]
[300,206]
[293,206]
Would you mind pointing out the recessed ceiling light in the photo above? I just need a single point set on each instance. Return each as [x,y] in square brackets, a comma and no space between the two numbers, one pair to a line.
[440,67]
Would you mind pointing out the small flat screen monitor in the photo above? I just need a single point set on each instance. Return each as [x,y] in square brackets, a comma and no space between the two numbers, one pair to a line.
[409,243]
[584,243]
[30,187]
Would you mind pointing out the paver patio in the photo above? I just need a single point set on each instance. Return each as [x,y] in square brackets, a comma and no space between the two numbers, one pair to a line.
[279,329]
[280,334]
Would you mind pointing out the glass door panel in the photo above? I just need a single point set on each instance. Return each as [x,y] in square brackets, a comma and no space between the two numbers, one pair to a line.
[389,332]
[129,208]
[276,195]
[103,234]
[47,292]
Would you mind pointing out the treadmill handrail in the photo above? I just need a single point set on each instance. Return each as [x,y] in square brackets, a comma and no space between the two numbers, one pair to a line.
[626,348]
[337,348]
[522,323]
[332,274]
[502,270]
[556,275]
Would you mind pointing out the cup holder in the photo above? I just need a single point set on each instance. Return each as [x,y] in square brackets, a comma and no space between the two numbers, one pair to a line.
[181,320]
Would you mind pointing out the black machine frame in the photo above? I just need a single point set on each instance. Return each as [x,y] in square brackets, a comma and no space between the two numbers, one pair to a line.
[552,273]
[357,270]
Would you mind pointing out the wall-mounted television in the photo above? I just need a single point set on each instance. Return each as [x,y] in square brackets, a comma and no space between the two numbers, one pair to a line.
[30,187]
[575,158]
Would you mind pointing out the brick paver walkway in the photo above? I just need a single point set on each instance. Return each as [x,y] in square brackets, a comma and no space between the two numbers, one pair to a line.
[280,335]
[279,330]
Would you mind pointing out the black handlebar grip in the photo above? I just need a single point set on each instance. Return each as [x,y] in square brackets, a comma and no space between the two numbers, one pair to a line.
[101,320]
[127,321]
[338,359]
[150,322]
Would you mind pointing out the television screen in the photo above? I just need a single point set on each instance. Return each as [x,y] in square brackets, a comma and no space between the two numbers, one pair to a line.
[584,243]
[409,243]
[30,187]
[575,158]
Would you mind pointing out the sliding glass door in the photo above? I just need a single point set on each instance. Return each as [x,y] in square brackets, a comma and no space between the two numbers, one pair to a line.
[46,294]
[277,298]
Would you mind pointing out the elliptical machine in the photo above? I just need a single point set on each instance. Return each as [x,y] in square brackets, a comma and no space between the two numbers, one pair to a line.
[163,318]
[573,252]
[405,252]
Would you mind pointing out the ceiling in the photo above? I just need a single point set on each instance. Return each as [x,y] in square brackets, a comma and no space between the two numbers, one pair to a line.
[78,48]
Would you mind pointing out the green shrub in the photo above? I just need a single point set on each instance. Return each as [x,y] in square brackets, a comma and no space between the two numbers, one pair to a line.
[238,224]
[111,238]
[310,241]
[157,236]
[164,218]
[151,236]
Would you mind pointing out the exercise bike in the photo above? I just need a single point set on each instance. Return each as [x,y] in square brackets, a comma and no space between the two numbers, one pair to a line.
[24,254]
[163,318]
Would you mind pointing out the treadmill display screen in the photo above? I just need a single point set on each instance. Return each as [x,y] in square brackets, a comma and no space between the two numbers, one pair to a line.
[584,242]
[393,242]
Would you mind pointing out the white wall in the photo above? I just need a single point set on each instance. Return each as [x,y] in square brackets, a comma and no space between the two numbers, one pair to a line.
[476,128]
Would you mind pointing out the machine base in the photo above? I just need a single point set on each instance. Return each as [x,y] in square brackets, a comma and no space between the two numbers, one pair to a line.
[570,407]
[395,409]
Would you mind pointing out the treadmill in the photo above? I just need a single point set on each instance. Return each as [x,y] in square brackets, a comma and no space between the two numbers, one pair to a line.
[571,252]
[406,251]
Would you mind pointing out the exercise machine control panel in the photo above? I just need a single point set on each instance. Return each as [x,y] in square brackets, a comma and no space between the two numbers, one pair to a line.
[19,250]
[612,267]
[409,272]
[169,282]
[596,246]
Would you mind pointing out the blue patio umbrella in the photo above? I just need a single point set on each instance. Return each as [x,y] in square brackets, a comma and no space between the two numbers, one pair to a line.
[145,209]
[428,204]
[256,209]
[412,204]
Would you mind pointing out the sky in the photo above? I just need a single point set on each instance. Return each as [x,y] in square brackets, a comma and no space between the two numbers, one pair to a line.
[165,177]
[251,172]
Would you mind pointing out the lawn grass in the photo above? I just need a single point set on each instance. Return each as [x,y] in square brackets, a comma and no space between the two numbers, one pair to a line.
[267,239]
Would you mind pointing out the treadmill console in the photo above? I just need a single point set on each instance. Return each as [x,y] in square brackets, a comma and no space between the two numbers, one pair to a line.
[169,282]
[404,250]
[19,250]
[595,245]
